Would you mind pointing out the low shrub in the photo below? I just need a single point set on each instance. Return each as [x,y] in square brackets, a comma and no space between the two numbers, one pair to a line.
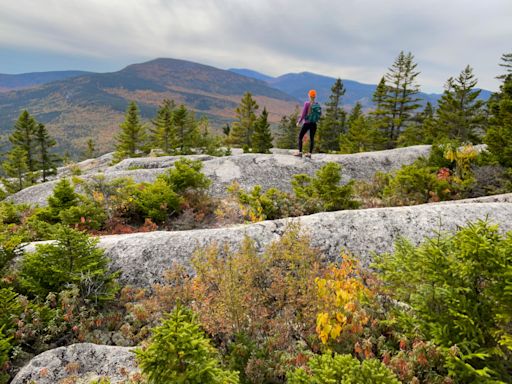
[179,352]
[157,201]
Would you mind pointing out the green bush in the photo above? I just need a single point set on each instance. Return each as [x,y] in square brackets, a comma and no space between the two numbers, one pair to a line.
[63,197]
[86,216]
[186,174]
[342,369]
[157,201]
[5,348]
[323,192]
[73,259]
[459,291]
[179,352]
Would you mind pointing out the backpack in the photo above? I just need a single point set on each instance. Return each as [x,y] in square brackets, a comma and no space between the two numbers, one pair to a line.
[315,112]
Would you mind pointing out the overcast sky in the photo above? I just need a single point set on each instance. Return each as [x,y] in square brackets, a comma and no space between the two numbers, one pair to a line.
[351,39]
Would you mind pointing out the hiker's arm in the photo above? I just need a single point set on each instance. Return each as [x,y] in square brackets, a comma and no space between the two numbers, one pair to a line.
[304,113]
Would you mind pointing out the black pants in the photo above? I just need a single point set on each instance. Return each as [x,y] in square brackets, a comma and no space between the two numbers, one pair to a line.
[311,127]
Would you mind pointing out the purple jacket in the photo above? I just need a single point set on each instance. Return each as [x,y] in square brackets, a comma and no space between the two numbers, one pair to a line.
[304,113]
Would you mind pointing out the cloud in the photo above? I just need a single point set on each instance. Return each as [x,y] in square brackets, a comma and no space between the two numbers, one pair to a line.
[354,39]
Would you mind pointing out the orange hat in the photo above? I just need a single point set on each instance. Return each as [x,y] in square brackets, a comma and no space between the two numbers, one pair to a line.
[312,93]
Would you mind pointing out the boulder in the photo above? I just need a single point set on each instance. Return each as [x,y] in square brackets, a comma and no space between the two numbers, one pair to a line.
[82,362]
[267,170]
[143,257]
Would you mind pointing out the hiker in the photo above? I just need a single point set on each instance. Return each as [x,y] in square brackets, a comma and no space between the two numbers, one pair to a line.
[310,115]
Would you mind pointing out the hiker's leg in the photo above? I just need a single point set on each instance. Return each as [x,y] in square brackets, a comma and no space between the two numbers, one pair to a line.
[303,131]
[312,131]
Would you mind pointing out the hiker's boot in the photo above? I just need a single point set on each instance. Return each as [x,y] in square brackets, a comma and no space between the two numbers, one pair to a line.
[308,155]
[298,154]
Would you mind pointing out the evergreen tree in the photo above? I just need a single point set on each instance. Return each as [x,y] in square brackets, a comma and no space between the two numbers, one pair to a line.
[243,128]
[333,123]
[422,131]
[16,166]
[360,136]
[24,137]
[499,133]
[460,113]
[91,149]
[163,135]
[506,63]
[46,160]
[131,139]
[262,138]
[288,132]
[187,133]
[400,100]
[379,118]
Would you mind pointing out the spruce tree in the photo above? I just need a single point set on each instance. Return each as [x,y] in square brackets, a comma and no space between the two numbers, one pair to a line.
[262,138]
[379,118]
[16,166]
[46,160]
[163,135]
[460,114]
[360,135]
[288,132]
[499,133]
[422,131]
[506,63]
[132,137]
[400,100]
[91,149]
[187,133]
[243,128]
[333,123]
[23,136]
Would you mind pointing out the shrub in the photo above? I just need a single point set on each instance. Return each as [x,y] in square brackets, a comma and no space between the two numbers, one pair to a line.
[73,259]
[5,348]
[343,369]
[85,216]
[458,287]
[323,192]
[63,197]
[186,174]
[157,201]
[179,352]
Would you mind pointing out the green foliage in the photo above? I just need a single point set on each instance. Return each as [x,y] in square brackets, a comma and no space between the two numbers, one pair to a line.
[180,352]
[186,174]
[163,135]
[63,198]
[73,259]
[157,201]
[131,140]
[499,134]
[5,348]
[243,128]
[187,133]
[361,135]
[87,215]
[16,167]
[342,369]
[262,138]
[423,130]
[458,288]
[23,138]
[332,124]
[288,131]
[460,113]
[45,160]
[323,192]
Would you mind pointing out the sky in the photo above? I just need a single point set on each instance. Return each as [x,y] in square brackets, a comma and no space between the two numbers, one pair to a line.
[350,39]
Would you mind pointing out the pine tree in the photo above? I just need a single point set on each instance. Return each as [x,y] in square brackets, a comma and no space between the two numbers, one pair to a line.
[91,149]
[163,135]
[499,133]
[422,131]
[262,138]
[243,128]
[131,139]
[333,123]
[506,63]
[288,132]
[360,135]
[24,137]
[400,100]
[187,133]
[46,160]
[16,166]
[460,113]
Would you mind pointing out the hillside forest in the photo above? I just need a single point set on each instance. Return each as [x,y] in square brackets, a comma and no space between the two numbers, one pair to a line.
[437,312]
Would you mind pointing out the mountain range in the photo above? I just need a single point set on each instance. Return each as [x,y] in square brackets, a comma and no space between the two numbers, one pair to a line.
[78,105]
